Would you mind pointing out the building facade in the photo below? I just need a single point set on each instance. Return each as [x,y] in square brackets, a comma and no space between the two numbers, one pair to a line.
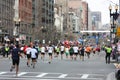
[96,20]
[43,15]
[25,15]
[23,21]
[62,8]
[6,19]
[85,15]
[81,8]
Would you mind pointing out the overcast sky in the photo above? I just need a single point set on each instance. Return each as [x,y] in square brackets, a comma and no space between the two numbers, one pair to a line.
[103,6]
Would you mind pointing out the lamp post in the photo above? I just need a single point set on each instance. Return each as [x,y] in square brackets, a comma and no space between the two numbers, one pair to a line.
[113,17]
[16,30]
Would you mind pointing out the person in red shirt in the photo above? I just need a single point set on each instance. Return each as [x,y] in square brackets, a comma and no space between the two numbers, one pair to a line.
[24,50]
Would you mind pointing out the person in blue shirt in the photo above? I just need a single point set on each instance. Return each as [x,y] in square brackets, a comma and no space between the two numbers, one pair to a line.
[15,58]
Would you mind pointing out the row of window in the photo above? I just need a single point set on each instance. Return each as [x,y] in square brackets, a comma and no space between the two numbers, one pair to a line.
[26,3]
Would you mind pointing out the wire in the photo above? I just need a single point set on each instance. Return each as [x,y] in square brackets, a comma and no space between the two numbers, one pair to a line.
[112,2]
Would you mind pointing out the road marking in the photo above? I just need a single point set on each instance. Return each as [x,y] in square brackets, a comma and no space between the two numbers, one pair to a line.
[85,76]
[2,73]
[41,75]
[62,75]
[22,73]
[15,78]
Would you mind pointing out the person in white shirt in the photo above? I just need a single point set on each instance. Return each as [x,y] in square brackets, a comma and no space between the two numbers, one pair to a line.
[28,55]
[43,52]
[62,48]
[75,48]
[33,52]
[50,52]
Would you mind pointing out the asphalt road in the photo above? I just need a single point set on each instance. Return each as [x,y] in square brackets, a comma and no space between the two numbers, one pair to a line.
[94,68]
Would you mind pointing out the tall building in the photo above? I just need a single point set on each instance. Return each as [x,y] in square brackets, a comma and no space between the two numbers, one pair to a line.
[96,20]
[6,19]
[64,11]
[81,8]
[69,19]
[90,20]
[85,15]
[43,19]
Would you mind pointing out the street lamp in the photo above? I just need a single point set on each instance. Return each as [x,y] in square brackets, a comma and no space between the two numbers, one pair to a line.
[16,29]
[113,17]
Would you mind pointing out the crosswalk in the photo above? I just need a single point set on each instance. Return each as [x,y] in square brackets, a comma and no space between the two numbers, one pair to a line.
[50,76]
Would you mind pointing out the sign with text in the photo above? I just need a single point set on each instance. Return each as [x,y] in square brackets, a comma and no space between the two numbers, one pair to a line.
[118,32]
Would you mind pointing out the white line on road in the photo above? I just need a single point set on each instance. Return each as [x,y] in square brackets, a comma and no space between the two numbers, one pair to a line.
[41,75]
[8,78]
[2,73]
[85,76]
[22,73]
[62,75]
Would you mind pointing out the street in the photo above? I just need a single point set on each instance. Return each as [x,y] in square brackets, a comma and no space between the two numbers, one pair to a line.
[94,68]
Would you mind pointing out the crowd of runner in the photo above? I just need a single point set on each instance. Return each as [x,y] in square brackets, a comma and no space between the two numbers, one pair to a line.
[70,51]
[33,52]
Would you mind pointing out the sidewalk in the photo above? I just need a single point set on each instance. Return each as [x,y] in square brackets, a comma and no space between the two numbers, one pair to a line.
[111,76]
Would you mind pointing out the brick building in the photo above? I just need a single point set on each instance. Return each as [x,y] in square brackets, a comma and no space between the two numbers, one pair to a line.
[23,12]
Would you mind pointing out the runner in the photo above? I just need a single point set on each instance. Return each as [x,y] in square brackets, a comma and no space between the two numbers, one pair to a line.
[28,55]
[37,47]
[67,51]
[62,50]
[98,49]
[75,48]
[71,52]
[43,52]
[24,50]
[81,52]
[34,53]
[50,52]
[15,58]
[88,50]
[57,51]
[94,50]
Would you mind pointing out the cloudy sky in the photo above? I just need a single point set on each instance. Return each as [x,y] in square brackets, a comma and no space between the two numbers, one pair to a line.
[103,6]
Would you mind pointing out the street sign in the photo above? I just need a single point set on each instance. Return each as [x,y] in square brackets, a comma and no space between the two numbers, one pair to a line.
[118,32]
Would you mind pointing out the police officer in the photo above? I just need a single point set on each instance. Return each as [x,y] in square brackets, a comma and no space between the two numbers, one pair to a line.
[108,53]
